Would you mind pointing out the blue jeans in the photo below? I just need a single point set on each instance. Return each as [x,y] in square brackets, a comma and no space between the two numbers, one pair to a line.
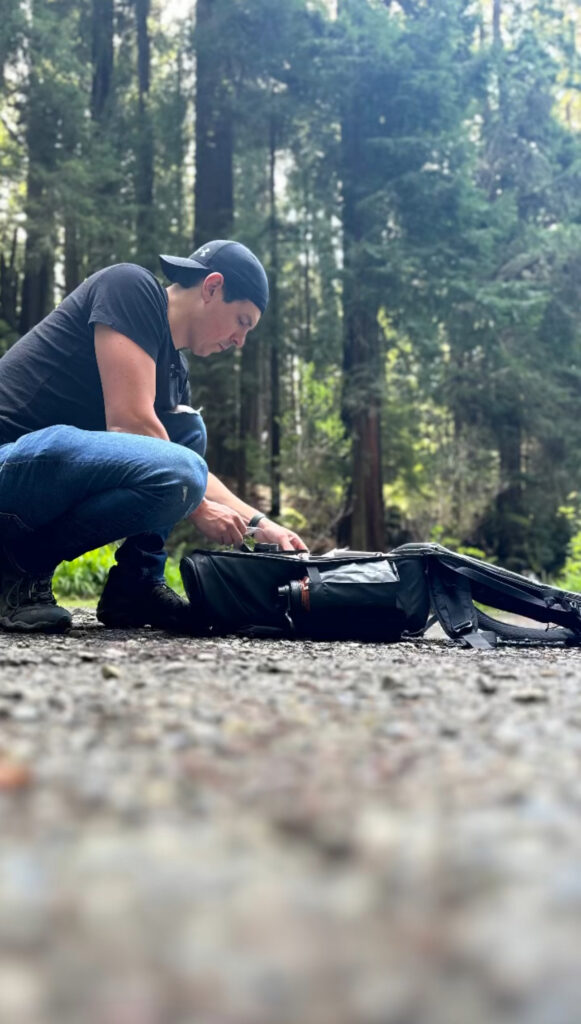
[65,491]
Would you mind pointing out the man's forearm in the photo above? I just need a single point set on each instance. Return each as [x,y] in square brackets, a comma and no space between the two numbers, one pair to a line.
[223,517]
[217,491]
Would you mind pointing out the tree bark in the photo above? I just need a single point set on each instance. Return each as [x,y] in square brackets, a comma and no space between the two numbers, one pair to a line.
[249,417]
[510,522]
[363,527]
[9,285]
[100,247]
[73,273]
[275,333]
[102,57]
[510,539]
[144,178]
[41,127]
[214,195]
[215,382]
[362,524]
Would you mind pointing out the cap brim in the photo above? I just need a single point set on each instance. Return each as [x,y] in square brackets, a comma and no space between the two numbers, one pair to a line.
[172,264]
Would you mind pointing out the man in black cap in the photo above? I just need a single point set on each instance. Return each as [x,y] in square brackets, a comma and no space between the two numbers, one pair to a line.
[98,441]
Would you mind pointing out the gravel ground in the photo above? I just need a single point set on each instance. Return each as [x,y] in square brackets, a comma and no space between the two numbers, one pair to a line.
[252,832]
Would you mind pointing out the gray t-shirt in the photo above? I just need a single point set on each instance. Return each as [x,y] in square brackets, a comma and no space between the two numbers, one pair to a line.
[51,376]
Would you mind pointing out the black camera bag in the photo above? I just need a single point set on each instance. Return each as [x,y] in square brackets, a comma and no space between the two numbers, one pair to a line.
[358,595]
[379,597]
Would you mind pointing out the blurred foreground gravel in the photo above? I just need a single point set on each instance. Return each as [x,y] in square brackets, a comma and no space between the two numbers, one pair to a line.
[251,832]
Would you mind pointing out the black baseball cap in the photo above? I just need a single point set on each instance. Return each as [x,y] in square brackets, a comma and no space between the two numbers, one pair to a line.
[232,259]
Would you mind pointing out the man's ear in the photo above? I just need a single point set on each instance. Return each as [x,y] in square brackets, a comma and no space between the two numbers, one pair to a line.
[211,285]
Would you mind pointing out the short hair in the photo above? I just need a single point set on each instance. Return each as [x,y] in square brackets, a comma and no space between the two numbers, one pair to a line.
[234,290]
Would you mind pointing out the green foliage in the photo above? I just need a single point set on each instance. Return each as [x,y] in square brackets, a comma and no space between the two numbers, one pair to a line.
[172,575]
[439,536]
[12,21]
[7,336]
[570,577]
[86,576]
[314,449]
[293,519]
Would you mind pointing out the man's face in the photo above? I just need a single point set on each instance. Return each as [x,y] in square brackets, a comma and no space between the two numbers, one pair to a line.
[221,325]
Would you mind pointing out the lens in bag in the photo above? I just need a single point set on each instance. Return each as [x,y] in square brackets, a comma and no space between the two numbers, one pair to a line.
[297,596]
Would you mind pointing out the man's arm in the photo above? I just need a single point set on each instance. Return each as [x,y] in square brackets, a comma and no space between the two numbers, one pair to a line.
[221,516]
[128,379]
[127,374]
[217,491]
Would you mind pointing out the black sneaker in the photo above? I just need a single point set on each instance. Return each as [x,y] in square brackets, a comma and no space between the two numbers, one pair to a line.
[27,604]
[128,602]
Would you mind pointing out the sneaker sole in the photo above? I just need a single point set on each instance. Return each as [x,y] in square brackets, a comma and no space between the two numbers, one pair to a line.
[121,623]
[178,627]
[37,627]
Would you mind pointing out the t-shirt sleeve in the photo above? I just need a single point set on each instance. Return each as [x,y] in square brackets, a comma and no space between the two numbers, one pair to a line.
[128,299]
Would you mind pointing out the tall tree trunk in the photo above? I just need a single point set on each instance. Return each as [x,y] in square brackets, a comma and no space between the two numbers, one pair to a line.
[498,51]
[100,246]
[38,284]
[9,285]
[144,178]
[102,57]
[249,418]
[511,529]
[214,196]
[41,128]
[509,520]
[214,381]
[275,332]
[73,274]
[362,525]
[181,148]
[362,415]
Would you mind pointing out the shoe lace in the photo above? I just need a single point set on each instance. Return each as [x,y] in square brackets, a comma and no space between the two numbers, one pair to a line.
[163,593]
[30,590]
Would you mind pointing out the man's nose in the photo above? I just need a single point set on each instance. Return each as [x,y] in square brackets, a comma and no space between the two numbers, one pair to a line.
[239,339]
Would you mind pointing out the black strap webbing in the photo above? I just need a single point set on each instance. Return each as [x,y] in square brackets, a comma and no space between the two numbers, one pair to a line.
[452,602]
[545,605]
[508,631]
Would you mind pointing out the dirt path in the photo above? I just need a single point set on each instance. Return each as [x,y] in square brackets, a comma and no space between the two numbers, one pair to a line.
[247,832]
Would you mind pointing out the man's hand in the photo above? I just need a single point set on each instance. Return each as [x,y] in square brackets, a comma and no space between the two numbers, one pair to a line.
[272,533]
[219,523]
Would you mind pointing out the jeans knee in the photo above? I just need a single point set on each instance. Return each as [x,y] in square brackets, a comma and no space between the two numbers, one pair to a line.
[189,480]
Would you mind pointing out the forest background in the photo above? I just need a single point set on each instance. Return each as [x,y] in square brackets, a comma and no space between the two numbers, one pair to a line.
[410,175]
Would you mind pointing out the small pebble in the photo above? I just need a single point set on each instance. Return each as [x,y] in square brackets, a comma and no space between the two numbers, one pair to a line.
[487,685]
[389,682]
[529,695]
[110,671]
[14,774]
